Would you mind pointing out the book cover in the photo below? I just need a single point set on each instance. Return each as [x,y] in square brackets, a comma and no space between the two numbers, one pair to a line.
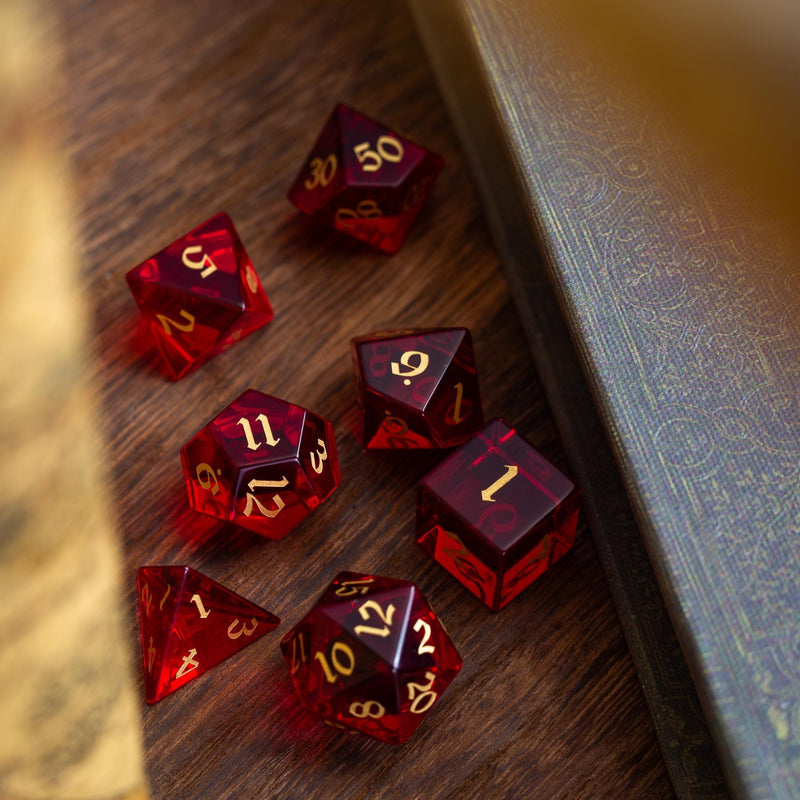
[637,276]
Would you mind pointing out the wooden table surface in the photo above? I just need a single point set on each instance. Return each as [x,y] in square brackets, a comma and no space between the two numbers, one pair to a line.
[178,110]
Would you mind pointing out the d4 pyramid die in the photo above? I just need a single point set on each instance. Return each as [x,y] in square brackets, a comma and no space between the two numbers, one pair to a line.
[371,656]
[365,180]
[199,295]
[417,389]
[190,623]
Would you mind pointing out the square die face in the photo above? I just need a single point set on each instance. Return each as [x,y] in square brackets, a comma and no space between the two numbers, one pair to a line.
[500,485]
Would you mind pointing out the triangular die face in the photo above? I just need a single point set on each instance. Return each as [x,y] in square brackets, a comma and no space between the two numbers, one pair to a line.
[203,262]
[377,620]
[185,326]
[374,155]
[159,593]
[210,623]
[347,586]
[373,710]
[335,662]
[322,173]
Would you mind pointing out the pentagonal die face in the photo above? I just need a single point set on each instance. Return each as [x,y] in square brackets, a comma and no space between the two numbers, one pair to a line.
[365,180]
[417,389]
[199,295]
[371,656]
[262,463]
[496,514]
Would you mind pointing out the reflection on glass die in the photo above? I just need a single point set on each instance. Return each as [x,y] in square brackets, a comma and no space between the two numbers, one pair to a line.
[199,295]
[365,180]
[189,624]
[262,463]
[496,514]
[371,656]
[417,389]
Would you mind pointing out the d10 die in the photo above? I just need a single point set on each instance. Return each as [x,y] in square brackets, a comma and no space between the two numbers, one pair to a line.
[496,514]
[417,389]
[365,180]
[371,656]
[199,295]
[262,463]
[189,624]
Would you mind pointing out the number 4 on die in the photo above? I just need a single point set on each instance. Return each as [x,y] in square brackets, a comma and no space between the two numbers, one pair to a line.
[190,624]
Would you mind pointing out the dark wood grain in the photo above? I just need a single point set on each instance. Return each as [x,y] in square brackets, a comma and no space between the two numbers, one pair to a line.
[182,109]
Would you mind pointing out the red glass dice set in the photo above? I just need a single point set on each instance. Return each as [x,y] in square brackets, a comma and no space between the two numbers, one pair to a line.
[370,656]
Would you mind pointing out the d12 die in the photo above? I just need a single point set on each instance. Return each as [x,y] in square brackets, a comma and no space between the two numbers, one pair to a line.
[189,624]
[417,389]
[199,295]
[262,463]
[365,180]
[371,656]
[496,514]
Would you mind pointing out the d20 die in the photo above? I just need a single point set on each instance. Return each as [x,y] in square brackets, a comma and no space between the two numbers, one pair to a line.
[189,624]
[365,180]
[417,389]
[371,656]
[262,463]
[199,295]
[496,514]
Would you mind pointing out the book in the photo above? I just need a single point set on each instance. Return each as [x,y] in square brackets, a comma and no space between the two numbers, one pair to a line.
[660,311]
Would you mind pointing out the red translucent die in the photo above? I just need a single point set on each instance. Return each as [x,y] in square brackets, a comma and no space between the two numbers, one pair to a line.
[365,180]
[189,624]
[199,295]
[261,463]
[417,389]
[496,514]
[371,656]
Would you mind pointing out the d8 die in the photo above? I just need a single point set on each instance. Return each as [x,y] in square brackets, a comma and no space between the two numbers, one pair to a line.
[365,180]
[417,389]
[190,624]
[496,514]
[262,463]
[371,656]
[199,295]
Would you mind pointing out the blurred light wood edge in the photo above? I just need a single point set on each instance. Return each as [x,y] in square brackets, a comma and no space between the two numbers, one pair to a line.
[69,719]
[723,74]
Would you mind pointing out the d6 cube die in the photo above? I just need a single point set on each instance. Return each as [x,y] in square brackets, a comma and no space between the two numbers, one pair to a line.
[496,514]
[262,463]
[365,180]
[371,656]
[199,295]
[417,389]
